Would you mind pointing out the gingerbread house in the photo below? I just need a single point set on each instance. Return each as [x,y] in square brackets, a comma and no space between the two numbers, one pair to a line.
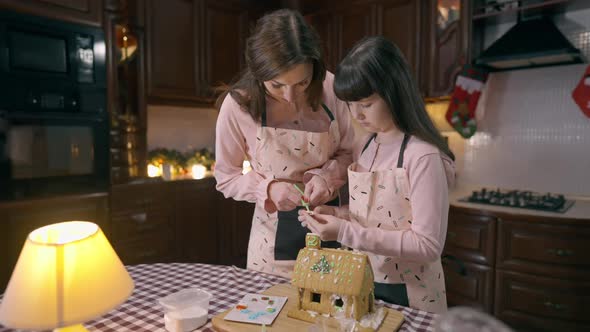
[334,282]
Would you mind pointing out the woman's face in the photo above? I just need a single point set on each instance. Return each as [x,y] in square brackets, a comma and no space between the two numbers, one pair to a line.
[290,85]
[372,113]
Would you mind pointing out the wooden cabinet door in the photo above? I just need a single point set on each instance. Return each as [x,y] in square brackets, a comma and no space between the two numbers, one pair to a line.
[537,303]
[20,218]
[143,229]
[471,236]
[474,287]
[197,220]
[535,245]
[339,30]
[235,221]
[225,31]
[172,34]
[446,44]
[399,21]
[87,12]
[352,24]
[325,25]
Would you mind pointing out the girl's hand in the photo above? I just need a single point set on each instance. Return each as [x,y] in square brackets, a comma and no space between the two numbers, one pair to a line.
[325,225]
[317,191]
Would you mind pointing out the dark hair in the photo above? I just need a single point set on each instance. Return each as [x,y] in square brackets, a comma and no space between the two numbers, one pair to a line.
[376,65]
[281,40]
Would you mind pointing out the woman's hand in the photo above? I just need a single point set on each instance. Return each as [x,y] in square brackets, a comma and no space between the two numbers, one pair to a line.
[284,196]
[325,225]
[317,191]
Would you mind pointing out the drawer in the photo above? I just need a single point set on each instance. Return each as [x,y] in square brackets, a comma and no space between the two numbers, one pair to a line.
[542,304]
[134,224]
[471,237]
[546,249]
[134,198]
[153,248]
[474,289]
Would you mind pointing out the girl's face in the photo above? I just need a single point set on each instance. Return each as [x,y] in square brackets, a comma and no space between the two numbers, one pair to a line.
[290,85]
[372,113]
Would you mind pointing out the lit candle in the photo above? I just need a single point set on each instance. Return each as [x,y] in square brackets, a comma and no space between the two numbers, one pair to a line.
[154,171]
[198,171]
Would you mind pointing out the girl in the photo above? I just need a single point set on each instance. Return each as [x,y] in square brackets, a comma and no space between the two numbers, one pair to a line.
[398,186]
[282,115]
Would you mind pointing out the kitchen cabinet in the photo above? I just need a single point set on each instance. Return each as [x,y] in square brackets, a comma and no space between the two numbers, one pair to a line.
[445,43]
[19,218]
[193,46]
[235,221]
[532,272]
[433,35]
[197,221]
[543,273]
[342,25]
[88,12]
[142,221]
[469,264]
[124,37]
[399,21]
[183,220]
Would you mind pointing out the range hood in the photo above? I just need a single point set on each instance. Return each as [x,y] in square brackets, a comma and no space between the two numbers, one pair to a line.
[531,43]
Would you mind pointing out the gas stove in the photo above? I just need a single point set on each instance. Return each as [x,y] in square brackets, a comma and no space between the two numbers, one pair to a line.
[520,199]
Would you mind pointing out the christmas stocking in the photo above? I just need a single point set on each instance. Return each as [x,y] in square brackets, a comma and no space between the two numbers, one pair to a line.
[581,93]
[461,112]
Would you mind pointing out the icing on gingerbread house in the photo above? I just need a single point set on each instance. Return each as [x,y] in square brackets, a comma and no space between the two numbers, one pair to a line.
[332,282]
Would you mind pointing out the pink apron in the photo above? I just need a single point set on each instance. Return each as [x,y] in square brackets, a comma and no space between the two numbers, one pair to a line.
[285,154]
[381,199]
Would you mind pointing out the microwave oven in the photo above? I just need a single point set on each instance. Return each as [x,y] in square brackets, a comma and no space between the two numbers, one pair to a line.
[54,128]
[50,66]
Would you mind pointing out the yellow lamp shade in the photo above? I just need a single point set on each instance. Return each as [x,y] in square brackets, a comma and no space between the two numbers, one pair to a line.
[67,273]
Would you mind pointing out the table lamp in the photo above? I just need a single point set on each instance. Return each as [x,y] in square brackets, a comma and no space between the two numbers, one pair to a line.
[67,273]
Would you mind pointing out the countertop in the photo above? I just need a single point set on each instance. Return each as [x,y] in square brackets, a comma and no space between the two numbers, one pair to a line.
[580,209]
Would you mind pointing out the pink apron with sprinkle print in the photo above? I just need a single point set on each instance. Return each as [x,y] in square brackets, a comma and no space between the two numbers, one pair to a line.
[286,154]
[381,199]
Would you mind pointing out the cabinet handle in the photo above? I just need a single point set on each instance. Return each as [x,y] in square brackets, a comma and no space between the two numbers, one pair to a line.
[555,306]
[139,218]
[560,252]
[148,253]
[145,227]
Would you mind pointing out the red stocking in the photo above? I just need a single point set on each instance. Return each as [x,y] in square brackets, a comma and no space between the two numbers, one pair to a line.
[581,93]
[461,112]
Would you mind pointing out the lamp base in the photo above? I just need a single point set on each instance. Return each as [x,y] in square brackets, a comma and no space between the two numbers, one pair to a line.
[72,328]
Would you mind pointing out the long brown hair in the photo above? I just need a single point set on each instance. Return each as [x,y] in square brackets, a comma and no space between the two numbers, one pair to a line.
[281,40]
[376,65]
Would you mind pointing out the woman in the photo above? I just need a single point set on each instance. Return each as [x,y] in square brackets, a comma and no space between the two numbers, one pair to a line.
[282,116]
[398,186]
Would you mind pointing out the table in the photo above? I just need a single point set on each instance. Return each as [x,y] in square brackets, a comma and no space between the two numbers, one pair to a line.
[228,284]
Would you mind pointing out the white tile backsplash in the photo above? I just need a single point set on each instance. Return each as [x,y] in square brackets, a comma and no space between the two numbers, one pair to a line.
[531,134]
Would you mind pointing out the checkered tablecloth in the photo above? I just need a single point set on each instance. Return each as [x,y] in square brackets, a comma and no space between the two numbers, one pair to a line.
[227,284]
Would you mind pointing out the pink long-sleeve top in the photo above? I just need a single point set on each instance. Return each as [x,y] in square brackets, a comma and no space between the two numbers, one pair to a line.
[236,141]
[430,174]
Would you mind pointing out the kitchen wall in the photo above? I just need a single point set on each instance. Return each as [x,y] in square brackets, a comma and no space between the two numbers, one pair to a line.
[531,134]
[181,128]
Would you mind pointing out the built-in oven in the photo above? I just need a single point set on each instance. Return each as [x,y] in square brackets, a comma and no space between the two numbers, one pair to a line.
[53,121]
[52,154]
